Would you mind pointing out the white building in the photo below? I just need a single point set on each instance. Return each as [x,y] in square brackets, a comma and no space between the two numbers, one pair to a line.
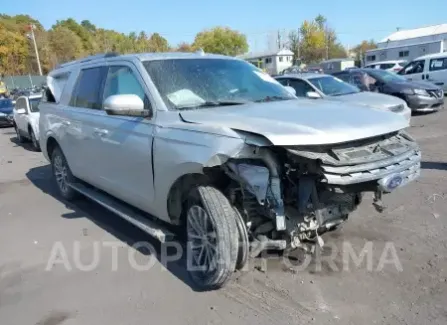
[271,62]
[410,44]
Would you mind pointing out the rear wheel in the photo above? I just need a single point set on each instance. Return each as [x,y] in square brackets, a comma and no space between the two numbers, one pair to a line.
[62,175]
[20,138]
[212,236]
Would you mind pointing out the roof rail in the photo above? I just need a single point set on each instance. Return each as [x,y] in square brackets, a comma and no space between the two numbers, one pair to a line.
[88,58]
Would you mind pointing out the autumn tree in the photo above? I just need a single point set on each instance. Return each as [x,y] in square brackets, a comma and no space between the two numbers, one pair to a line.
[66,45]
[364,46]
[184,47]
[221,40]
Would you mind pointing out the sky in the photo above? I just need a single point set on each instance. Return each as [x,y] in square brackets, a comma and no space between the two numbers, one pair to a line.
[179,20]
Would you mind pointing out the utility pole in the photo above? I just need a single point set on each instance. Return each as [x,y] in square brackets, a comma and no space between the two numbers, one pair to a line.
[32,27]
[279,40]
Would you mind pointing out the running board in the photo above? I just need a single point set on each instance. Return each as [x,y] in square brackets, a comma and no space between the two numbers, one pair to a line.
[127,213]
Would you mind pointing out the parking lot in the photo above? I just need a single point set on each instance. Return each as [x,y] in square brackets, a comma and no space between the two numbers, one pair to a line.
[37,288]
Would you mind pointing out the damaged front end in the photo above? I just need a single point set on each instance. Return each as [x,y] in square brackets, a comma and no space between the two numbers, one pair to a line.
[290,195]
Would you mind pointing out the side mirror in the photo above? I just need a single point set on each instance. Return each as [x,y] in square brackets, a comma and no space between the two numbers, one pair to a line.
[20,111]
[291,90]
[125,105]
[313,95]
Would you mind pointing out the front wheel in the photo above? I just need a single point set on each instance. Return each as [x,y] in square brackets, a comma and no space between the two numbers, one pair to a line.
[212,235]
[34,141]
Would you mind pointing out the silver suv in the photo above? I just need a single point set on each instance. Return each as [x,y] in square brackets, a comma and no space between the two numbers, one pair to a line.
[213,145]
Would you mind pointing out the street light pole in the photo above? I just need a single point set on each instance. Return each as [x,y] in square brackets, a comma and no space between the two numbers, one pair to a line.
[35,48]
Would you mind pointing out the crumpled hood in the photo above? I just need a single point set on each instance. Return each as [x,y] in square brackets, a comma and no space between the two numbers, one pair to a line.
[301,121]
[368,98]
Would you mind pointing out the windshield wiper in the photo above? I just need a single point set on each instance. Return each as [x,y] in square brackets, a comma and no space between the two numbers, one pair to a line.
[271,99]
[216,103]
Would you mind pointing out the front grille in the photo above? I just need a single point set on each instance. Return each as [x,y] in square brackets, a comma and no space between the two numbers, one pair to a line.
[437,93]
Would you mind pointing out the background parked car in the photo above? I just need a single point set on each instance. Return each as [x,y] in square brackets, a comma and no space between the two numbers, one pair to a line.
[26,119]
[395,65]
[420,96]
[432,68]
[6,108]
[312,85]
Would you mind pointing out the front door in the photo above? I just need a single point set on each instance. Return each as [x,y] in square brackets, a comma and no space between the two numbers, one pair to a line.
[123,144]
[20,119]
[414,70]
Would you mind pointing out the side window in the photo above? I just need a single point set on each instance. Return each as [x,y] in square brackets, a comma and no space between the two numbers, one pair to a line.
[414,67]
[343,76]
[386,66]
[122,81]
[283,81]
[301,87]
[359,80]
[21,103]
[438,64]
[87,93]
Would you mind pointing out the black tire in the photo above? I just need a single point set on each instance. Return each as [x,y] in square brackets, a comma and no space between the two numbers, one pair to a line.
[20,138]
[34,140]
[222,225]
[58,163]
[244,243]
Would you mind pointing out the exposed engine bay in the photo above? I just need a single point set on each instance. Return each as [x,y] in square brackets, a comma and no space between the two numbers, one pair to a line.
[290,195]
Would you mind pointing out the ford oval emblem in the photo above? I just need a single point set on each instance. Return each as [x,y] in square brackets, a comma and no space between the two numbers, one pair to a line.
[394,182]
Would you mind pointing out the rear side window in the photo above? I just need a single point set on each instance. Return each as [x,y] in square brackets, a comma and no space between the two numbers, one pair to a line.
[87,93]
[385,66]
[438,64]
[283,81]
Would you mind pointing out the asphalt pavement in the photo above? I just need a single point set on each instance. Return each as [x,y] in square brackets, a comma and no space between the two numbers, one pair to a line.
[64,263]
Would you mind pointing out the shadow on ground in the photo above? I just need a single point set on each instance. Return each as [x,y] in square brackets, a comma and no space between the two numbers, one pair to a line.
[434,165]
[41,177]
[26,145]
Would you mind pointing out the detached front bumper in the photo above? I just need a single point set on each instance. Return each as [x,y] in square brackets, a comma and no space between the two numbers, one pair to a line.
[424,103]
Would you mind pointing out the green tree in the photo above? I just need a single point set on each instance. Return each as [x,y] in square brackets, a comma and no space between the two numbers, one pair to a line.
[157,43]
[184,47]
[65,45]
[221,40]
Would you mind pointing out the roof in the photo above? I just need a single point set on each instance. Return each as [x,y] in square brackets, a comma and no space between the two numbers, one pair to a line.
[139,56]
[385,62]
[432,56]
[254,55]
[414,33]
[338,60]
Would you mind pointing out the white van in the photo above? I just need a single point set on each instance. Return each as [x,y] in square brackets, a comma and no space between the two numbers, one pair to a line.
[432,67]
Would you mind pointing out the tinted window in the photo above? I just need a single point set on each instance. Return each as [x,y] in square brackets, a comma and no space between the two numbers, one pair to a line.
[87,93]
[386,66]
[438,64]
[301,87]
[34,104]
[344,76]
[332,86]
[122,81]
[385,76]
[413,67]
[187,83]
[284,82]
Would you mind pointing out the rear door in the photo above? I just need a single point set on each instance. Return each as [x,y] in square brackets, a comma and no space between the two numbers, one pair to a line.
[123,144]
[80,119]
[437,72]
[414,70]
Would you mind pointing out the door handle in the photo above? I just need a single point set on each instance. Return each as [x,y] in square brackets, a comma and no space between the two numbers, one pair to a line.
[427,76]
[101,132]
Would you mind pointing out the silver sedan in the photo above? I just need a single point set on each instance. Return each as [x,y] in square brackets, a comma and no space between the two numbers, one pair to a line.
[318,86]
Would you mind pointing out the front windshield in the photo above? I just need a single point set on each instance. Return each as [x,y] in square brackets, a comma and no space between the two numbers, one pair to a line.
[191,83]
[385,76]
[331,86]
[34,104]
[5,103]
